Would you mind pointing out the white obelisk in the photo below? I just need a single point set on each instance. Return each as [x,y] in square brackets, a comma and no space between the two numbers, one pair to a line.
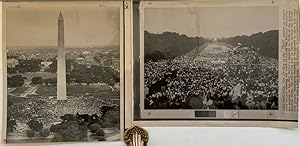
[61,61]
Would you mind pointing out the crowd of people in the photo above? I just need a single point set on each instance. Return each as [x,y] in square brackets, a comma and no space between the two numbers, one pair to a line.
[240,78]
[49,110]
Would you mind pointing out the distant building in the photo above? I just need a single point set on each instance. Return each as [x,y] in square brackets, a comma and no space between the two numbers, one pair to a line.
[85,53]
[12,62]
[89,57]
[79,60]
[88,61]
[45,65]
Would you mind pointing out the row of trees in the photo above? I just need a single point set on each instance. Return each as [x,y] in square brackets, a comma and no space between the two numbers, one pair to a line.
[94,74]
[35,65]
[80,74]
[169,45]
[40,80]
[16,81]
[267,42]
[26,66]
[19,80]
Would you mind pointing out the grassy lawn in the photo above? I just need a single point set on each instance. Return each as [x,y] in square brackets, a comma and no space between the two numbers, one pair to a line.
[79,90]
[16,99]
[98,90]
[19,90]
[46,90]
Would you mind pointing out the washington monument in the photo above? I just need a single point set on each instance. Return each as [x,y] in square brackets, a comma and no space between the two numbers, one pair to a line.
[61,61]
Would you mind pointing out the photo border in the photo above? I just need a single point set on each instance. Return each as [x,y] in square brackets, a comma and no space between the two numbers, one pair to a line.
[62,3]
[204,122]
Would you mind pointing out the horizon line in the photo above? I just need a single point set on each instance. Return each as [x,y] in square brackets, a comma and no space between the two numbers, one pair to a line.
[211,37]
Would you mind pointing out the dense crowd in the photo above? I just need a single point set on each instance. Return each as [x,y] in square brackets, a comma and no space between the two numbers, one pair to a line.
[241,78]
[49,110]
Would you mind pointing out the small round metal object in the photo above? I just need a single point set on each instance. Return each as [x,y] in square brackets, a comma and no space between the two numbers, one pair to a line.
[136,136]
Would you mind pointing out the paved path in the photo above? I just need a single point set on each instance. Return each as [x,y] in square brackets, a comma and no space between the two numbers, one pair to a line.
[30,90]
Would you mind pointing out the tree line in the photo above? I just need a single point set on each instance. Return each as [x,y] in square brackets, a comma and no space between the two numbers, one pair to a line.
[26,66]
[80,74]
[169,45]
[267,42]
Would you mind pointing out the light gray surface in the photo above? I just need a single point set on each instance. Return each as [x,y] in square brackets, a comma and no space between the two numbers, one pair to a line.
[215,136]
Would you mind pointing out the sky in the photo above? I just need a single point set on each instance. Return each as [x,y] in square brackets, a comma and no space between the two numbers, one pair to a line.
[212,22]
[36,26]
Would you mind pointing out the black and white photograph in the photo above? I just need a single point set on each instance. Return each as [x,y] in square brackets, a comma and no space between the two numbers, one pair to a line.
[211,58]
[63,73]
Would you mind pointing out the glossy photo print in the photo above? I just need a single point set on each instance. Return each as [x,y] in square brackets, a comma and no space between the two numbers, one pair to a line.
[63,73]
[216,58]
[214,62]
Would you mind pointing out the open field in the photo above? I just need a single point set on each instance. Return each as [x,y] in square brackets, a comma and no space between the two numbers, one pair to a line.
[19,90]
[80,90]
